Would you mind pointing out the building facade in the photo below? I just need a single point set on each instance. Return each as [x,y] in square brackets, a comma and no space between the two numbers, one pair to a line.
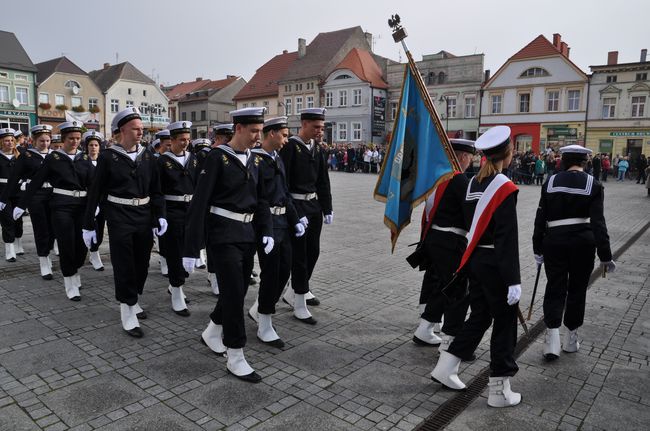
[17,85]
[618,121]
[540,94]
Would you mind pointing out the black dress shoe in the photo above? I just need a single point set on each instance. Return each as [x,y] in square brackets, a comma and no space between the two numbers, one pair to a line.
[183,313]
[279,344]
[252,282]
[471,359]
[309,320]
[75,298]
[313,301]
[141,315]
[201,266]
[206,345]
[47,277]
[254,273]
[135,332]
[419,342]
[250,378]
[13,259]
[20,254]
[100,269]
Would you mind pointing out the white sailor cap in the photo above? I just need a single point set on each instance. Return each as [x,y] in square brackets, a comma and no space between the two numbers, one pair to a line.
[41,128]
[248,115]
[56,138]
[179,127]
[7,131]
[463,145]
[18,133]
[71,126]
[123,117]
[155,143]
[575,149]
[313,114]
[163,134]
[223,129]
[92,134]
[495,140]
[276,123]
[201,142]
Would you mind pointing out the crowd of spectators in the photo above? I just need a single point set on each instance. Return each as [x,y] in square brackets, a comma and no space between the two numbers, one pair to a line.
[347,158]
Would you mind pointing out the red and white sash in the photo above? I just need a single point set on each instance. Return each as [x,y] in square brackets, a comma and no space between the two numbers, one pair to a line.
[496,192]
[432,205]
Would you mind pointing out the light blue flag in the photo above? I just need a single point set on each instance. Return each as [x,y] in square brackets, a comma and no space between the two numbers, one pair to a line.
[416,160]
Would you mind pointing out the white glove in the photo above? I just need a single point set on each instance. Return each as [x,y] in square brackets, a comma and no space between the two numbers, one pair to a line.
[329,218]
[163,227]
[609,266]
[18,213]
[2,206]
[514,293]
[268,243]
[96,211]
[304,221]
[90,237]
[300,230]
[188,264]
[539,259]
[23,187]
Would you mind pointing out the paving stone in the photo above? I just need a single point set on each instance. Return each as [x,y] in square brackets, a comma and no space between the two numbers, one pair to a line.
[627,379]
[177,367]
[87,316]
[23,331]
[12,418]
[113,337]
[317,357]
[364,335]
[158,417]
[614,412]
[10,312]
[294,417]
[33,360]
[479,417]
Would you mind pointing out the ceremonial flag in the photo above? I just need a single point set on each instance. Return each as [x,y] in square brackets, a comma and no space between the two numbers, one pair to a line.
[419,155]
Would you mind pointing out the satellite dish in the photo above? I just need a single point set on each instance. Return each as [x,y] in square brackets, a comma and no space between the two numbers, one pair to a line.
[75,90]
[16,103]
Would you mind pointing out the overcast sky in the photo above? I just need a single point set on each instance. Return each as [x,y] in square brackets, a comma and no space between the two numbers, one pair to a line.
[180,40]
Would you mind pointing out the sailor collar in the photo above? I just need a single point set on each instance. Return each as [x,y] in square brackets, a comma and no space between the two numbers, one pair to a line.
[264,153]
[35,151]
[120,150]
[174,157]
[228,149]
[299,139]
[76,154]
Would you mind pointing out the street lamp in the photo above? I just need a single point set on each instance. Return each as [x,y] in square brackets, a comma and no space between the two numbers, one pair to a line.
[446,100]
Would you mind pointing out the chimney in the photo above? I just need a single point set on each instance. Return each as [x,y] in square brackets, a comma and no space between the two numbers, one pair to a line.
[284,51]
[302,47]
[644,55]
[568,51]
[231,76]
[612,58]
[198,78]
[487,76]
[557,41]
[565,49]
[368,39]
[107,65]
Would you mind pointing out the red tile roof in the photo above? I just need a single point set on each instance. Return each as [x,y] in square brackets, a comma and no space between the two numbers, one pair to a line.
[178,91]
[361,63]
[539,47]
[265,81]
[219,84]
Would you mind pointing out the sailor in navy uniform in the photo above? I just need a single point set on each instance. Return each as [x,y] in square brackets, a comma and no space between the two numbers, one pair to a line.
[21,140]
[228,197]
[164,138]
[26,167]
[492,256]
[569,230]
[127,178]
[178,174]
[68,171]
[91,142]
[305,162]
[275,266]
[160,146]
[12,230]
[444,243]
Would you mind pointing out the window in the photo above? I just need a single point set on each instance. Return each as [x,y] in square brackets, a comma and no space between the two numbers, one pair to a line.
[356,131]
[441,78]
[574,100]
[144,108]
[641,77]
[71,84]
[128,91]
[393,110]
[431,78]
[4,75]
[470,107]
[287,87]
[60,99]
[266,103]
[310,86]
[329,99]
[4,93]
[253,104]
[20,77]
[524,102]
[343,97]
[611,78]
[144,93]
[287,106]
[298,104]
[451,107]
[298,87]
[534,72]
[129,103]
[638,106]
[203,115]
[22,95]
[609,107]
[496,103]
[342,129]
[183,116]
[76,101]
[115,105]
[553,101]
[356,97]
[43,98]
[193,116]
[245,105]
[310,101]
[93,103]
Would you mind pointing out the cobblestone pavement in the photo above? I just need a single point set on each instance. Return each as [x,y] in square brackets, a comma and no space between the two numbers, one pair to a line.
[68,365]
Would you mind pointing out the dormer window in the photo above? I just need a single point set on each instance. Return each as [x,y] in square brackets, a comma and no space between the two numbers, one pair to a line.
[343,77]
[534,72]
[71,84]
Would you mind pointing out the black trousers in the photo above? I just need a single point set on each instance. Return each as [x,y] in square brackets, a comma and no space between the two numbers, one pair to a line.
[445,250]
[488,303]
[130,248]
[39,213]
[11,229]
[306,250]
[275,269]
[171,246]
[568,268]
[100,224]
[66,225]
[233,264]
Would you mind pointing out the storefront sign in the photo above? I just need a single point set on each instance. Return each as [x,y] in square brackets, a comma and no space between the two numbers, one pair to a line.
[645,133]
[378,115]
[562,131]
[15,113]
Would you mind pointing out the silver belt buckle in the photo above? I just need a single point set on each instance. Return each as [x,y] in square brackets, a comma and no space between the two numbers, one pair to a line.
[135,202]
[248,218]
[187,198]
[76,193]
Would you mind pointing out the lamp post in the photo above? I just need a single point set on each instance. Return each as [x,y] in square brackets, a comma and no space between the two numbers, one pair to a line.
[446,100]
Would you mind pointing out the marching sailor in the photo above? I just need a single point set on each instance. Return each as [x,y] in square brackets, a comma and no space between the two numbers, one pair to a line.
[492,257]
[228,196]
[444,240]
[569,230]
[68,171]
[309,184]
[12,230]
[160,147]
[127,176]
[26,167]
[92,142]
[275,266]
[178,173]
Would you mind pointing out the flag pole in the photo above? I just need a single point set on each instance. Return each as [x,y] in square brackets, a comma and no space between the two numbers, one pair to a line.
[399,34]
